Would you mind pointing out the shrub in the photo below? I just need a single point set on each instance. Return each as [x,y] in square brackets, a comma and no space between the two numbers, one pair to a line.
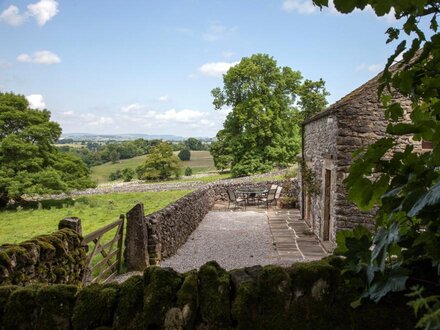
[184,154]
[188,171]
[127,174]
[115,175]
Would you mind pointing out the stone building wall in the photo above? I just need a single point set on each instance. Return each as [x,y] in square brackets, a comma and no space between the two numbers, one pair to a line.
[359,121]
[320,153]
[54,258]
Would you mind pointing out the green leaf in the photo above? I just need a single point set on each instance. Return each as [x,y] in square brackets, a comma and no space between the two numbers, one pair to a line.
[394,281]
[345,6]
[431,198]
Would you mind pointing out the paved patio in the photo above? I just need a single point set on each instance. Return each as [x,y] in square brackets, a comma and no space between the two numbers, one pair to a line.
[238,238]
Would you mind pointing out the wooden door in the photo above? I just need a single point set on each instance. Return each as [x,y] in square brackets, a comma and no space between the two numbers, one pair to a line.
[326,229]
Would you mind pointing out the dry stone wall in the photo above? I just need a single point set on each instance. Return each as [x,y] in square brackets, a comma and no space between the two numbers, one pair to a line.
[169,228]
[304,296]
[54,258]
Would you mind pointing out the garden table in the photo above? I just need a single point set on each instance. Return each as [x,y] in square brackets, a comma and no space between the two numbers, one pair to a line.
[252,193]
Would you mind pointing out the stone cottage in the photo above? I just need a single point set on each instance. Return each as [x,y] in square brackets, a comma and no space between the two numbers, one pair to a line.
[329,139]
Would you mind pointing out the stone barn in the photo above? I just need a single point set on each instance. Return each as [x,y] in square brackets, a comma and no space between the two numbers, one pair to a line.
[329,139]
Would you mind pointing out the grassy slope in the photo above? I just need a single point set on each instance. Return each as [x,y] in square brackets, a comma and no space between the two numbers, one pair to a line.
[94,211]
[201,161]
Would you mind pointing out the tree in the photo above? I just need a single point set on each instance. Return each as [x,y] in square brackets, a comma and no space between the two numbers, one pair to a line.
[188,171]
[127,174]
[403,184]
[29,162]
[262,129]
[184,154]
[160,164]
[194,144]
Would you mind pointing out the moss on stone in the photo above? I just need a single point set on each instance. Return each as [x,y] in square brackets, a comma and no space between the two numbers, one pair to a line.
[244,309]
[215,305]
[21,309]
[305,276]
[275,294]
[5,292]
[55,305]
[5,260]
[128,314]
[160,294]
[188,299]
[95,306]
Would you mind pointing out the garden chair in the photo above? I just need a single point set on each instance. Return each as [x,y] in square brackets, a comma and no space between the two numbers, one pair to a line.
[270,198]
[278,194]
[232,198]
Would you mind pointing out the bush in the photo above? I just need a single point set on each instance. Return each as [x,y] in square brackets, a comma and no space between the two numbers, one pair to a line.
[188,171]
[184,154]
[127,174]
[115,175]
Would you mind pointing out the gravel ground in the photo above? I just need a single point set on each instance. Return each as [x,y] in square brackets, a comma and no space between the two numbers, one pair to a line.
[237,241]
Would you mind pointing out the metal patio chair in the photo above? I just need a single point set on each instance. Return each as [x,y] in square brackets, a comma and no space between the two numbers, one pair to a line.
[233,198]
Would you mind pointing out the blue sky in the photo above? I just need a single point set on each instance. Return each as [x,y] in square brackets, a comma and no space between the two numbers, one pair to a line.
[149,66]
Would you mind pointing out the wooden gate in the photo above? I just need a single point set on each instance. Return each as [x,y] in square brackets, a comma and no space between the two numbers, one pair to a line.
[104,256]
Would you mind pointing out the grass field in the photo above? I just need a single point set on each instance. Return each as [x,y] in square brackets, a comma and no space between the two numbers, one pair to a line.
[94,212]
[201,161]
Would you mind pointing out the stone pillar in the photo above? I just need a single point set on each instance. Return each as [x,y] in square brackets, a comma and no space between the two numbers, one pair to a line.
[136,240]
[72,223]
[154,245]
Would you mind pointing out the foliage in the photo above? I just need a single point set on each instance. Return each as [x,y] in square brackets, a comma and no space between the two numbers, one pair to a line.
[188,171]
[127,174]
[309,180]
[29,163]
[184,154]
[405,185]
[160,164]
[115,175]
[262,130]
[194,144]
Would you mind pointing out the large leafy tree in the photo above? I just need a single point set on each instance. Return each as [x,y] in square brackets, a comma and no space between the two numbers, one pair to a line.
[29,163]
[262,129]
[159,164]
[405,185]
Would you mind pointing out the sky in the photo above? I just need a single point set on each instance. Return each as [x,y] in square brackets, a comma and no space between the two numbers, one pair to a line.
[114,67]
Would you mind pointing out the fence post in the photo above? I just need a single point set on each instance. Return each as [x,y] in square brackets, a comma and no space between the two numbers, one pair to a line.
[136,240]
[72,223]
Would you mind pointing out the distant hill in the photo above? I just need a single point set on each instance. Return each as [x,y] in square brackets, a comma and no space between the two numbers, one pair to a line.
[124,137]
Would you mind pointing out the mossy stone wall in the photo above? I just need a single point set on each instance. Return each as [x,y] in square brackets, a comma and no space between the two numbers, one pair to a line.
[55,258]
[304,296]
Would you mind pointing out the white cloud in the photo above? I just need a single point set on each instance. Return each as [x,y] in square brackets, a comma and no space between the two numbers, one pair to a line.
[375,67]
[96,121]
[300,6]
[42,11]
[135,107]
[183,116]
[12,16]
[217,32]
[216,69]
[227,54]
[36,101]
[163,98]
[40,57]
[68,114]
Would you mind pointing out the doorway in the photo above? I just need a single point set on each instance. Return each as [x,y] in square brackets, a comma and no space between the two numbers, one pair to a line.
[327,184]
